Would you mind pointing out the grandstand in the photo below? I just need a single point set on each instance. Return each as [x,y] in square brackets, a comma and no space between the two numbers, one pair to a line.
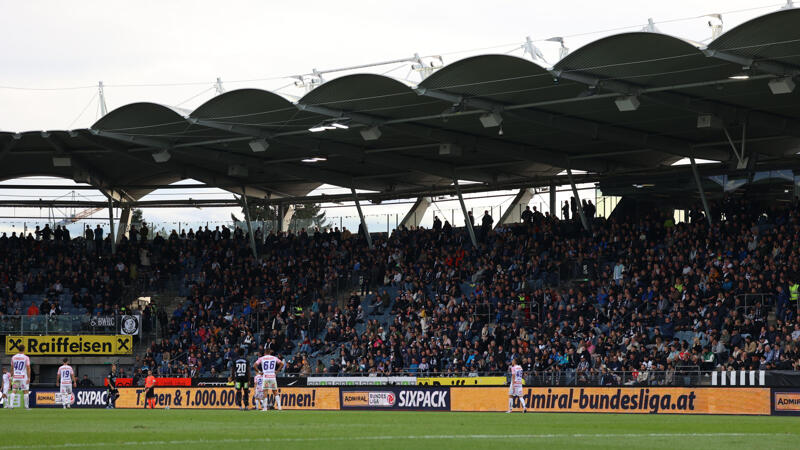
[691,281]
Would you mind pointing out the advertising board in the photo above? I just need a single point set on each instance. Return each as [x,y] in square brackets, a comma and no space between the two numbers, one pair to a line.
[225,398]
[632,400]
[396,398]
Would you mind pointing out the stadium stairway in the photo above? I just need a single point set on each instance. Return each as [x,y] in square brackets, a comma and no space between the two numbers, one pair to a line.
[384,320]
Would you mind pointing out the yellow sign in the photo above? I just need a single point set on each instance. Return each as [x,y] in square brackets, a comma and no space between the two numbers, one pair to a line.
[462,381]
[787,401]
[46,398]
[355,399]
[70,345]
[638,400]
[322,398]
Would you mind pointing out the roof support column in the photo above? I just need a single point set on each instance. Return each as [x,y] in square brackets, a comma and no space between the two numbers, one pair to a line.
[577,200]
[467,221]
[514,212]
[364,228]
[111,236]
[124,223]
[286,217]
[553,200]
[701,190]
[414,215]
[279,218]
[249,223]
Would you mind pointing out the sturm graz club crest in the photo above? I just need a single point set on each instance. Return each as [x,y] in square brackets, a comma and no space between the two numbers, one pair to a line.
[130,325]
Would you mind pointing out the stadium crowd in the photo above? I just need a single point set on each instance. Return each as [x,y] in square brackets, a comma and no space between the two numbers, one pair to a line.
[628,301]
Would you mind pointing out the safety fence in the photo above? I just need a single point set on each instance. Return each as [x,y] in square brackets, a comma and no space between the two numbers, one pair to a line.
[68,324]
[691,376]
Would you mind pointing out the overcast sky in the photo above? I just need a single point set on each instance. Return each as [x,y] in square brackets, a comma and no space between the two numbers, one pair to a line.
[51,45]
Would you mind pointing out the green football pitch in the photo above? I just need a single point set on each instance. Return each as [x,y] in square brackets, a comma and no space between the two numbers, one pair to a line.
[196,429]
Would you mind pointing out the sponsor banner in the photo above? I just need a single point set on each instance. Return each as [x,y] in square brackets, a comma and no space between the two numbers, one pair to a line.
[786,402]
[362,381]
[81,398]
[638,400]
[160,381]
[102,322]
[222,382]
[225,398]
[462,381]
[70,345]
[130,325]
[395,398]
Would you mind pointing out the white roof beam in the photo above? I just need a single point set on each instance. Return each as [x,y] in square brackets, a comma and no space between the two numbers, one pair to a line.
[512,150]
[346,150]
[729,113]
[586,127]
[761,65]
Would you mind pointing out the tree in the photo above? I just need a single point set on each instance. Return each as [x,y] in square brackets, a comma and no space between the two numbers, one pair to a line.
[310,215]
[305,216]
[137,216]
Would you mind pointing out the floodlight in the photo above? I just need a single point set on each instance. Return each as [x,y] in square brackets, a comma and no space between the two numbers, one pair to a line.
[492,119]
[449,150]
[371,134]
[627,103]
[259,145]
[162,156]
[708,121]
[781,85]
[62,161]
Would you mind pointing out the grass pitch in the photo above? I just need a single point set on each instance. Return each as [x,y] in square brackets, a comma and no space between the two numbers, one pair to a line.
[198,429]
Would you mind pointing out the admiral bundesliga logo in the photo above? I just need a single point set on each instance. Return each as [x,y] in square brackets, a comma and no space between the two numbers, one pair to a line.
[379,399]
[403,399]
[787,401]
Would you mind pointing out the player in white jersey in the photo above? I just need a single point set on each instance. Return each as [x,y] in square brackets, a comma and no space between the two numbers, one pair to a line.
[4,400]
[268,365]
[515,388]
[20,376]
[66,381]
[258,397]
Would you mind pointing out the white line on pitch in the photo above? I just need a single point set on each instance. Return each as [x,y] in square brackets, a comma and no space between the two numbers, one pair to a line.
[380,438]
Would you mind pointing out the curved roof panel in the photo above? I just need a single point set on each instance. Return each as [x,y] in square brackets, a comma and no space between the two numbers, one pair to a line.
[253,107]
[370,94]
[642,58]
[143,119]
[503,78]
[769,36]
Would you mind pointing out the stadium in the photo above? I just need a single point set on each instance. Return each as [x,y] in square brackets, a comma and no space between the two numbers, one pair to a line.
[587,247]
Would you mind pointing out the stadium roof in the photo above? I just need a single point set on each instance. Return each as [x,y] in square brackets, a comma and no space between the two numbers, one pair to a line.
[623,106]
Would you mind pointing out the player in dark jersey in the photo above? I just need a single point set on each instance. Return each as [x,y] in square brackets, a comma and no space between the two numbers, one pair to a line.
[240,371]
[113,393]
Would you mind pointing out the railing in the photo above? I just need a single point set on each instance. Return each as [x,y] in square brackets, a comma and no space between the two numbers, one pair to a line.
[684,376]
[749,302]
[60,324]
[572,377]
